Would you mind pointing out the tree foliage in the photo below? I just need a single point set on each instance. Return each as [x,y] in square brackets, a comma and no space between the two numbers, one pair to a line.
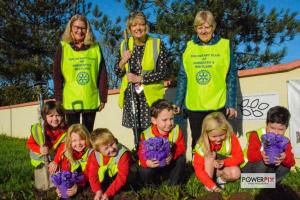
[257,36]
[30,32]
[110,34]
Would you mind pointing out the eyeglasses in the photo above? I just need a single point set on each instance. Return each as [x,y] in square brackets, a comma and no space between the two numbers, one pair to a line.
[77,28]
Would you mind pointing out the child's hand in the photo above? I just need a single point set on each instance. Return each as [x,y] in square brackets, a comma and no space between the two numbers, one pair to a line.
[152,163]
[52,167]
[265,157]
[217,189]
[279,159]
[58,192]
[44,150]
[98,195]
[72,191]
[218,164]
[104,197]
[169,159]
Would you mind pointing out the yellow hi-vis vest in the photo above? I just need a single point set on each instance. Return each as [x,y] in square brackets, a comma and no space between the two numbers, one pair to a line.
[80,71]
[259,133]
[153,91]
[224,151]
[112,166]
[36,131]
[206,67]
[81,162]
[173,135]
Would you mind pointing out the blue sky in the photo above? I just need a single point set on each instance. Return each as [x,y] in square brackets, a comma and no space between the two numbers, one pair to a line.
[113,8]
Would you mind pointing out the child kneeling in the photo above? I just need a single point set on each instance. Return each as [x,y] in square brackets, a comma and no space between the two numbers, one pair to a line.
[217,153]
[162,119]
[277,122]
[109,164]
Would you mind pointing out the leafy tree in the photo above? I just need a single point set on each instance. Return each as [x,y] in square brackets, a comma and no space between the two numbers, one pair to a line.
[110,37]
[257,36]
[30,32]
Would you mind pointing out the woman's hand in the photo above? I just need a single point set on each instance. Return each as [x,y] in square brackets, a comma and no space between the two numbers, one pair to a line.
[133,78]
[126,56]
[52,167]
[44,150]
[231,113]
[176,109]
[152,163]
[72,191]
[101,106]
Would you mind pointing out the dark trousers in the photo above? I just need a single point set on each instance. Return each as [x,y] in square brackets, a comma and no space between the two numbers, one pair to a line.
[196,118]
[260,167]
[173,171]
[88,119]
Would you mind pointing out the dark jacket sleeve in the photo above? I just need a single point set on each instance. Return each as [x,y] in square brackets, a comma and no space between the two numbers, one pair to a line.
[57,75]
[231,82]
[102,82]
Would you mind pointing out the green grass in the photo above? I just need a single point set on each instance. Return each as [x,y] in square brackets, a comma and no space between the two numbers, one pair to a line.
[16,173]
[16,180]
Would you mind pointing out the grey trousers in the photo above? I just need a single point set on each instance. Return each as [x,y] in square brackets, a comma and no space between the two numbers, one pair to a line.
[260,167]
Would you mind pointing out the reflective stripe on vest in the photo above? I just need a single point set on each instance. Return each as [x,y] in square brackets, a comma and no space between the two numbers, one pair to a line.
[173,135]
[82,161]
[206,67]
[80,70]
[112,166]
[259,133]
[153,91]
[224,151]
[36,132]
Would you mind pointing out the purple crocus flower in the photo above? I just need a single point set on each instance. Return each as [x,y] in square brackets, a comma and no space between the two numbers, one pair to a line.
[65,180]
[274,145]
[157,148]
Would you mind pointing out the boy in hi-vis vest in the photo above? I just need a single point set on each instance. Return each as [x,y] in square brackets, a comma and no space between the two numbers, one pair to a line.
[162,118]
[277,122]
[109,164]
[217,153]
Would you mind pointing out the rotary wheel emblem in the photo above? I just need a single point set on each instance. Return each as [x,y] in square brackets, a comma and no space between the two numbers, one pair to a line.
[203,77]
[82,78]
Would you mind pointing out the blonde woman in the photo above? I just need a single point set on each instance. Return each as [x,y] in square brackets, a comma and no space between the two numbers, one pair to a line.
[217,153]
[146,57]
[80,79]
[207,81]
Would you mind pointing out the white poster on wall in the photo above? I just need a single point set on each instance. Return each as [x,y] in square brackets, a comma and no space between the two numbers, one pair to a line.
[256,106]
[294,107]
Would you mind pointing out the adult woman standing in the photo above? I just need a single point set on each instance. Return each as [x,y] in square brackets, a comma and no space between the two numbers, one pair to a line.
[147,58]
[80,79]
[207,81]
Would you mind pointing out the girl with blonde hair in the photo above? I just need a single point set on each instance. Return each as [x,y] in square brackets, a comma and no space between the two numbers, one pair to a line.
[79,73]
[109,164]
[217,153]
[73,156]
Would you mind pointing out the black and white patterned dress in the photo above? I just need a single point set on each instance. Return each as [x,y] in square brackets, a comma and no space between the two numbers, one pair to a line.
[141,107]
